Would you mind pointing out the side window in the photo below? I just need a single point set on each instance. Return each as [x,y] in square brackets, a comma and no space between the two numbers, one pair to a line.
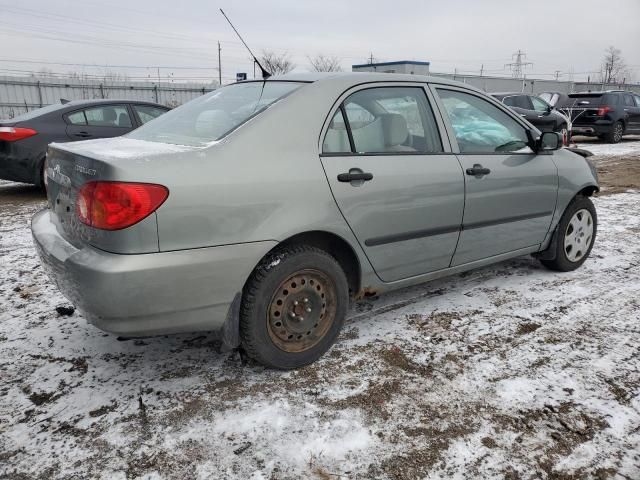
[524,102]
[147,112]
[336,139]
[637,97]
[539,105]
[108,116]
[628,100]
[387,120]
[77,118]
[481,127]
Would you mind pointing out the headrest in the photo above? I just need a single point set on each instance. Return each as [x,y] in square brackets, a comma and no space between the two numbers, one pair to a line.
[109,115]
[394,128]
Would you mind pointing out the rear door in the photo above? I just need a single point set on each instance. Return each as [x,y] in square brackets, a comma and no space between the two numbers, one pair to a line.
[102,121]
[633,113]
[398,186]
[510,191]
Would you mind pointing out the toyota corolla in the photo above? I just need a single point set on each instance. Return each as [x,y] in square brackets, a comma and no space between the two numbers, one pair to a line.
[265,207]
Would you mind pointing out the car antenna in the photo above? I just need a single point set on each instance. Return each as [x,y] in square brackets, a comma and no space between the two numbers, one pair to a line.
[265,74]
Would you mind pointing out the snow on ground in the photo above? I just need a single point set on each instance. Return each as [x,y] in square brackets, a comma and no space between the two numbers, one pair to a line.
[630,144]
[510,371]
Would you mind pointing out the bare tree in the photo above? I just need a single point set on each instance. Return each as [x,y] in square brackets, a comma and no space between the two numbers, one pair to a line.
[276,64]
[613,66]
[320,63]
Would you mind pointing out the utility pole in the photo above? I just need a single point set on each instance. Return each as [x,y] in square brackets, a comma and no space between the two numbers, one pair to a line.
[219,66]
[517,65]
[481,69]
[558,72]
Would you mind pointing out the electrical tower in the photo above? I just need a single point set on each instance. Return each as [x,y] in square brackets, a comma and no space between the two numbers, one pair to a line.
[518,64]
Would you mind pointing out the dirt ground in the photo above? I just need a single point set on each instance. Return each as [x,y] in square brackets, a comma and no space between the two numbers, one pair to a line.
[618,174]
[506,372]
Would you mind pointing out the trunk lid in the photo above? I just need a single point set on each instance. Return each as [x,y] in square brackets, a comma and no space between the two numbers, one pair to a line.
[66,172]
[70,165]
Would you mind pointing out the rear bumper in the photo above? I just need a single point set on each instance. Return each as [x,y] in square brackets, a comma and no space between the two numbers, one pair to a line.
[147,294]
[598,128]
[19,168]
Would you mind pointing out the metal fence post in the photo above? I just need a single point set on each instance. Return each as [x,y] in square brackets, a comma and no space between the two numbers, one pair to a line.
[39,93]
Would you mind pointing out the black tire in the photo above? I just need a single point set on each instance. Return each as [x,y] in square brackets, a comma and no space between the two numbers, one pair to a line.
[562,261]
[615,134]
[293,275]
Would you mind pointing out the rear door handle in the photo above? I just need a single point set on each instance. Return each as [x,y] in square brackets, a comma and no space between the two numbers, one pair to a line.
[82,134]
[478,170]
[355,176]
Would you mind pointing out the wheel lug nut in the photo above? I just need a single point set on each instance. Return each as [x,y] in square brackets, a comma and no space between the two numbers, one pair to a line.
[306,300]
[301,319]
[308,309]
[292,314]
[295,303]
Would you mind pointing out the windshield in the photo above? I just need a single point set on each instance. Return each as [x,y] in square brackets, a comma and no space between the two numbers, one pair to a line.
[210,117]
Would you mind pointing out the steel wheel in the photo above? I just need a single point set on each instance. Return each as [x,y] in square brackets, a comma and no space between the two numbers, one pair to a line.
[578,235]
[301,311]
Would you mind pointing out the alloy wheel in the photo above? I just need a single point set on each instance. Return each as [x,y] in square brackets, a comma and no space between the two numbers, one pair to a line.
[617,132]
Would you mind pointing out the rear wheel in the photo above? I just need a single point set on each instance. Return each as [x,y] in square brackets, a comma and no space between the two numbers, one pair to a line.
[293,307]
[575,235]
[615,134]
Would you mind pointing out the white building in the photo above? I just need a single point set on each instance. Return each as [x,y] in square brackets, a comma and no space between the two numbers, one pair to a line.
[402,66]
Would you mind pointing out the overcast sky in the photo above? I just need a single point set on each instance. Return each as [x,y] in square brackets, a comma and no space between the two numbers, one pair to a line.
[564,35]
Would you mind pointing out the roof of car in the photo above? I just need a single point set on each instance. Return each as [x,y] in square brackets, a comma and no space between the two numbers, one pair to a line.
[362,77]
[506,94]
[102,101]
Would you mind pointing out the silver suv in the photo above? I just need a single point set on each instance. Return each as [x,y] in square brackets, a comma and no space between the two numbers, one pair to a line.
[263,208]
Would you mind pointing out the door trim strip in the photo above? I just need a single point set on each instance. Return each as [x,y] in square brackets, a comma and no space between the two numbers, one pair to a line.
[401,237]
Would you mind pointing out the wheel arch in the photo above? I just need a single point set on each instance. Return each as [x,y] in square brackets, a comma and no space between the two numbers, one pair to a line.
[588,190]
[336,246]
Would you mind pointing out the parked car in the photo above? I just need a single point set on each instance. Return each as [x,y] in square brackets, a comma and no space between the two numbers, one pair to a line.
[263,208]
[24,139]
[608,115]
[536,111]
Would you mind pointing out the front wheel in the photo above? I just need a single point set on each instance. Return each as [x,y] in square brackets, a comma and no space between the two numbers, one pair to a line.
[574,236]
[293,307]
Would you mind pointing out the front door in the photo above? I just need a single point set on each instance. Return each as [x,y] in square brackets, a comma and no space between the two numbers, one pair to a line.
[510,191]
[546,121]
[397,188]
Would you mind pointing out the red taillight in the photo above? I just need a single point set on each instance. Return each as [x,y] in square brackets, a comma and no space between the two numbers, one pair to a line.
[602,111]
[12,134]
[118,205]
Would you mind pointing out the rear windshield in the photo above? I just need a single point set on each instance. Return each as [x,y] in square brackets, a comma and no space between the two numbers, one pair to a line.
[212,116]
[581,100]
[37,112]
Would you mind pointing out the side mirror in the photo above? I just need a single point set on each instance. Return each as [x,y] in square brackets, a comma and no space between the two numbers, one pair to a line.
[549,141]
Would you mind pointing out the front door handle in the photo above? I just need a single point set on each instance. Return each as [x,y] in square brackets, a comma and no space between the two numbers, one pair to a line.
[354,175]
[478,170]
